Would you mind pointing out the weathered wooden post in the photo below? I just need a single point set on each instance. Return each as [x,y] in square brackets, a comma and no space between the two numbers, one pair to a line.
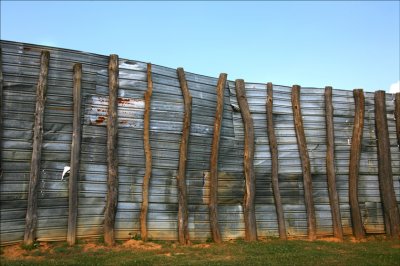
[183,223]
[75,156]
[41,89]
[213,205]
[330,166]
[250,189]
[305,162]
[354,164]
[147,152]
[385,174]
[112,152]
[1,109]
[273,147]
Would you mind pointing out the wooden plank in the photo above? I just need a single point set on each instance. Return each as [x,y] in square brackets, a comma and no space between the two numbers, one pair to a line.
[75,155]
[213,204]
[354,164]
[31,212]
[250,189]
[273,146]
[330,166]
[183,226]
[305,162]
[112,152]
[397,117]
[385,174]
[148,155]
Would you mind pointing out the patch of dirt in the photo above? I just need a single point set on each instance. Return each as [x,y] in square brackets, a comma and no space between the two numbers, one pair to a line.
[139,244]
[16,252]
[396,246]
[330,239]
[91,247]
[354,240]
[202,246]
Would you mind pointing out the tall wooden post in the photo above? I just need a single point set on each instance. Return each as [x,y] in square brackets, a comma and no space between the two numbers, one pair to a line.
[31,212]
[305,162]
[250,190]
[183,223]
[354,164]
[397,117]
[273,146]
[390,208]
[112,152]
[330,166]
[75,156]
[213,205]
[1,110]
[147,152]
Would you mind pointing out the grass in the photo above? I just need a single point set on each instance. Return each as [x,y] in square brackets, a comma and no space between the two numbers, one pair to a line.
[376,251]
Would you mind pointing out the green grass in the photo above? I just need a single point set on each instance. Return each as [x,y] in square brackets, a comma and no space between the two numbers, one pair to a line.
[271,252]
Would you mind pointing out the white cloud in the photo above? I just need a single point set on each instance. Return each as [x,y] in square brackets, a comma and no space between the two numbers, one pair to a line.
[395,87]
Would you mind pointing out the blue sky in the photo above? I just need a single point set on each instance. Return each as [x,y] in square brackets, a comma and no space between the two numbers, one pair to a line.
[343,44]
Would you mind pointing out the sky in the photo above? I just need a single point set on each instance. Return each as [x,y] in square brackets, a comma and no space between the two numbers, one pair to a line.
[346,45]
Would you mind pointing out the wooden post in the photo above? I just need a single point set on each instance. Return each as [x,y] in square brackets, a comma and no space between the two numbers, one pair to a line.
[112,152]
[330,166]
[250,190]
[385,174]
[354,164]
[213,205]
[397,117]
[183,224]
[273,146]
[305,161]
[75,156]
[147,152]
[31,212]
[1,111]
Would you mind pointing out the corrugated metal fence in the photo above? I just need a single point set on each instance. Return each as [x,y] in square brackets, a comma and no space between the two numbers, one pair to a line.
[20,67]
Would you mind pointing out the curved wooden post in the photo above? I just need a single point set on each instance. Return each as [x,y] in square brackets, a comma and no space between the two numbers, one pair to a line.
[183,224]
[330,166]
[213,205]
[273,146]
[354,165]
[305,163]
[390,208]
[147,152]
[75,156]
[250,190]
[112,152]
[41,89]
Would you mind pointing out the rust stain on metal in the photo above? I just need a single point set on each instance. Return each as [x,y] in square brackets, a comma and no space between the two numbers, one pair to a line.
[123,101]
[100,120]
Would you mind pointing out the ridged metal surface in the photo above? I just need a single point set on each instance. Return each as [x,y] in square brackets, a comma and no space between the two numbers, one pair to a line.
[20,65]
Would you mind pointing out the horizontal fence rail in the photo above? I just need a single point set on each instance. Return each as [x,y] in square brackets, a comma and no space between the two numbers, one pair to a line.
[147,168]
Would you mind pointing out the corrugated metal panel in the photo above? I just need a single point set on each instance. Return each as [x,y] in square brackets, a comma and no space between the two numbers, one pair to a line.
[20,64]
[21,68]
